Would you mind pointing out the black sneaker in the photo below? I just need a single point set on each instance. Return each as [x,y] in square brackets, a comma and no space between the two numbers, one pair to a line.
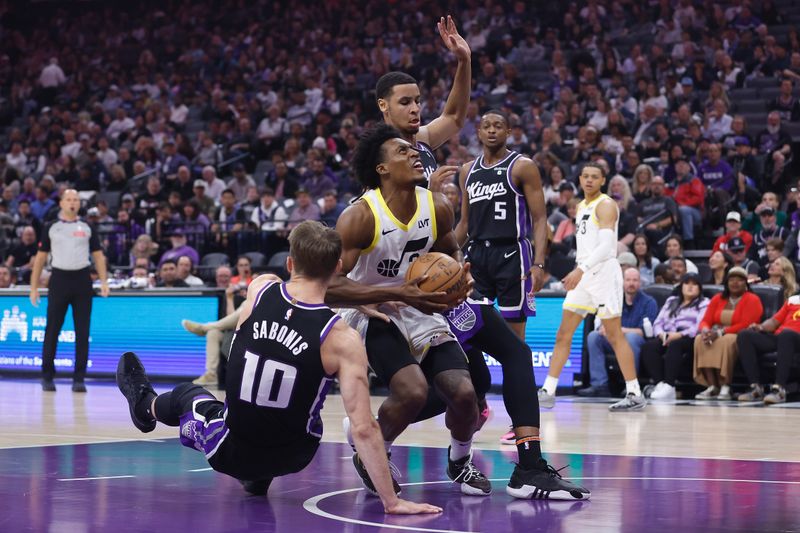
[78,386]
[463,472]
[48,385]
[543,483]
[134,385]
[256,488]
[361,470]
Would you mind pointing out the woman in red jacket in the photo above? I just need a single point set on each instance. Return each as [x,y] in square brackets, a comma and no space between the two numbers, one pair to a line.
[715,346]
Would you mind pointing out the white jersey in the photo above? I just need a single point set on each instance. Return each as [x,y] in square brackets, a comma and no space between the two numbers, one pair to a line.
[385,262]
[394,244]
[587,228]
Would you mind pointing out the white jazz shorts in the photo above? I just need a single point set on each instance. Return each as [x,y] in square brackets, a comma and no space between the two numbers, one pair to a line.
[421,331]
[599,292]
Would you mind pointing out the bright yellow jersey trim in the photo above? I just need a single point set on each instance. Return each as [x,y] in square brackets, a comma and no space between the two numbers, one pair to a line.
[377,225]
[433,214]
[391,216]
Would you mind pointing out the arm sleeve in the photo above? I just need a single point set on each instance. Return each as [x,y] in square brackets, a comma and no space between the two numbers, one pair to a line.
[44,242]
[606,249]
[94,240]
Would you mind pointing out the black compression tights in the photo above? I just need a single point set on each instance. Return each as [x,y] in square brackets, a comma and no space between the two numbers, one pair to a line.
[519,387]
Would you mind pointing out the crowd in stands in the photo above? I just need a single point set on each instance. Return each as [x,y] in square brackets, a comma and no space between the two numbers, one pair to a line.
[200,132]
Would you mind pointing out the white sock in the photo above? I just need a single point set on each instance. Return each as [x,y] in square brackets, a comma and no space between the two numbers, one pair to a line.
[387,444]
[725,389]
[459,449]
[550,385]
[632,387]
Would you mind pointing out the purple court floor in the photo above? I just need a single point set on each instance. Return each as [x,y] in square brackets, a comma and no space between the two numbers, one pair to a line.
[161,486]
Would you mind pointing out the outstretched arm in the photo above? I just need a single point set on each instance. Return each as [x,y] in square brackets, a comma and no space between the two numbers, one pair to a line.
[531,182]
[452,118]
[343,354]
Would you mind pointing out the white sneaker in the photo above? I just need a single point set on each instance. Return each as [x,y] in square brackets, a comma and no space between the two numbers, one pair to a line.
[710,393]
[546,401]
[724,395]
[663,391]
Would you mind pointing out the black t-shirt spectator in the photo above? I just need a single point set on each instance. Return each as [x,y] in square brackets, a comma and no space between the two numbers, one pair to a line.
[767,142]
[789,110]
[22,253]
[653,205]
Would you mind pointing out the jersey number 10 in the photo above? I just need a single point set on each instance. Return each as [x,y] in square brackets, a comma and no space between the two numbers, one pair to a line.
[276,384]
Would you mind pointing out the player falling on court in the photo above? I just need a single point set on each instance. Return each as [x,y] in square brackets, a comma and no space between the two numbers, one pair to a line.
[287,349]
[394,222]
[399,99]
[501,195]
[594,286]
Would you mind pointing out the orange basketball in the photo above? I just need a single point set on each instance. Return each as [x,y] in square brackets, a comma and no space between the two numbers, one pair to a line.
[444,274]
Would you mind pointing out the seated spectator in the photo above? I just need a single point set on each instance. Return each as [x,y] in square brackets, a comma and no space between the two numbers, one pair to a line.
[673,247]
[637,308]
[450,191]
[21,255]
[718,121]
[716,173]
[674,328]
[737,250]
[244,273]
[781,273]
[143,248]
[775,143]
[240,182]
[689,195]
[552,189]
[193,216]
[733,229]
[228,218]
[283,180]
[203,202]
[179,248]
[620,191]
[318,178]
[646,262]
[769,199]
[658,204]
[715,347]
[770,230]
[269,215]
[168,275]
[780,333]
[7,277]
[185,268]
[304,209]
[214,185]
[677,266]
[642,177]
[42,207]
[140,278]
[786,103]
[564,236]
[719,263]
[332,208]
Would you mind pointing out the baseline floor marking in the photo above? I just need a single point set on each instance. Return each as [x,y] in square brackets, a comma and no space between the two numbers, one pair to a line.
[312,504]
[93,478]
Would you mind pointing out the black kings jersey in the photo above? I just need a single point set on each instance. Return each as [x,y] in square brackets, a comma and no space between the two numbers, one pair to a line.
[497,210]
[276,383]
[427,159]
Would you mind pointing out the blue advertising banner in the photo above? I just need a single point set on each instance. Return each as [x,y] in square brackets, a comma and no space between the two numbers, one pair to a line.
[147,324]
[540,335]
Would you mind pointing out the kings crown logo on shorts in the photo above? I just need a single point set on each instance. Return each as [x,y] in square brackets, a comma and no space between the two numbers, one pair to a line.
[462,317]
[530,299]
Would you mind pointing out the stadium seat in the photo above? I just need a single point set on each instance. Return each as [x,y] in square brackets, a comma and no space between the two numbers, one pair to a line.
[750,106]
[761,83]
[745,93]
[257,259]
[659,291]
[214,260]
[277,265]
[771,298]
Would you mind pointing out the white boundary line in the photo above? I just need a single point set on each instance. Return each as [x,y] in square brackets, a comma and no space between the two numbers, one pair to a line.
[312,504]
[93,478]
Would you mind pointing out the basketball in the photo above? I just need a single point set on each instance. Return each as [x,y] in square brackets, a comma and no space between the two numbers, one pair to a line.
[444,274]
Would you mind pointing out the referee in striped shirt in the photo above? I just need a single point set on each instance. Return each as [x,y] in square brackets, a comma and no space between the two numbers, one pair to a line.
[70,240]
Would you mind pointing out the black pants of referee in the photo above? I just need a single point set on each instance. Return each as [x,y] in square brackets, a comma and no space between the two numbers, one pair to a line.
[68,287]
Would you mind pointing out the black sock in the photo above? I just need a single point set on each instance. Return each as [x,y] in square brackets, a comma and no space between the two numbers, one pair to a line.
[529,449]
[143,409]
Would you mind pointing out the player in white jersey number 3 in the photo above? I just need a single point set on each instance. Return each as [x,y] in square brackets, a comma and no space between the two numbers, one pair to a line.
[594,286]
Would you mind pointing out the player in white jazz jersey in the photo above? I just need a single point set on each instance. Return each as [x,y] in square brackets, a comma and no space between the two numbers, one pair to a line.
[595,286]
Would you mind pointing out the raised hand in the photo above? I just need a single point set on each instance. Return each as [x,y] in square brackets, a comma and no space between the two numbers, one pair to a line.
[452,40]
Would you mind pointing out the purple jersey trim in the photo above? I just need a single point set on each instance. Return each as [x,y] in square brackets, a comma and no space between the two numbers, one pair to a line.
[327,329]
